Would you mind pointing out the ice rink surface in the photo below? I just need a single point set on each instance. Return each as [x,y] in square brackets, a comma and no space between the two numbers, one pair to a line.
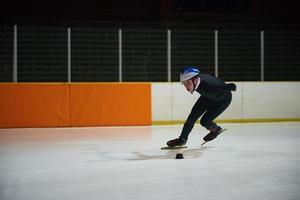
[247,162]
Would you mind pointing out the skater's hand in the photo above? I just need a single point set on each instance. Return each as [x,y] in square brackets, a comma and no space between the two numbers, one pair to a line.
[231,86]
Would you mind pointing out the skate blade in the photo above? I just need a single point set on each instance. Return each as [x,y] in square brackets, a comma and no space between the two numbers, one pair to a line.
[215,138]
[175,147]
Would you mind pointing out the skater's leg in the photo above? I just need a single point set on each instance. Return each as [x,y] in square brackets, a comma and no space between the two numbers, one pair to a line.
[213,112]
[198,109]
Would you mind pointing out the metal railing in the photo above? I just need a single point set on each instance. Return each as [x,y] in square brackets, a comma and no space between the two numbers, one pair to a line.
[145,54]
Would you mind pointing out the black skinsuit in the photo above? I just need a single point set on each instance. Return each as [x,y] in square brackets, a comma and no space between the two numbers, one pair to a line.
[215,98]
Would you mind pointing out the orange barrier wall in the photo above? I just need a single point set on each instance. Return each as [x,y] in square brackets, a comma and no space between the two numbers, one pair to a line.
[61,104]
[34,105]
[110,104]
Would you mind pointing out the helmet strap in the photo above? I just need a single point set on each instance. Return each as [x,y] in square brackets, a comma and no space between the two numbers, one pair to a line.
[194,85]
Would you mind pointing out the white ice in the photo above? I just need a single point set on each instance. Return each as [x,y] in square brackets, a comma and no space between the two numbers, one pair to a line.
[247,162]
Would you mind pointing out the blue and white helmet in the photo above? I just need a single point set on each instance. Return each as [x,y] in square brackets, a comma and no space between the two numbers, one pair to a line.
[188,73]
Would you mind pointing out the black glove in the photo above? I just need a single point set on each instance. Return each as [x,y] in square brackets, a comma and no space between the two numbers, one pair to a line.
[231,86]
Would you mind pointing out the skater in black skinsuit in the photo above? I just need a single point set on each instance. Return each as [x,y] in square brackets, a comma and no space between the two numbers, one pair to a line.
[215,98]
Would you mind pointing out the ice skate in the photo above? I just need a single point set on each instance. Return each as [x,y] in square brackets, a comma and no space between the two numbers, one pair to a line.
[213,134]
[177,143]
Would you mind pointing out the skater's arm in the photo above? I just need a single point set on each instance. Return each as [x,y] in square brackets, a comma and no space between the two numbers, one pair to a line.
[229,86]
[211,86]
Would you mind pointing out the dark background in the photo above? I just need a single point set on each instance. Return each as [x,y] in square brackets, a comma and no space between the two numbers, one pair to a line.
[42,39]
[258,11]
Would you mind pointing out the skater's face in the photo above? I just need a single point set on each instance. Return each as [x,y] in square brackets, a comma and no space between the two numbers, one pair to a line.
[188,84]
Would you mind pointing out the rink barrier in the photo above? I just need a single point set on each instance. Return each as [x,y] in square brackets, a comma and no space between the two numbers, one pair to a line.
[34,105]
[175,122]
[118,104]
[267,101]
[110,104]
[74,104]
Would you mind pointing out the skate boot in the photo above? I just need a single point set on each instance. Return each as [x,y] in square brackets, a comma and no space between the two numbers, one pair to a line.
[213,134]
[176,142]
